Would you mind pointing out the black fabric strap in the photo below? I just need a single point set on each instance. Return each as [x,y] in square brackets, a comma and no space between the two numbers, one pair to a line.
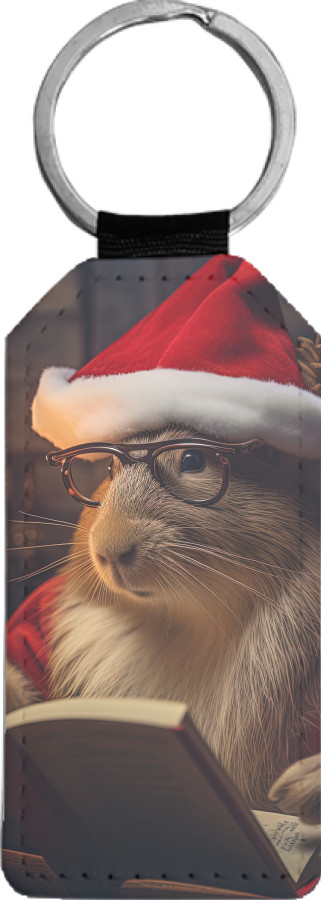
[128,237]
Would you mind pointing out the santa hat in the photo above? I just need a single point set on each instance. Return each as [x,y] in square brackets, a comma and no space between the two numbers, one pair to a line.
[215,356]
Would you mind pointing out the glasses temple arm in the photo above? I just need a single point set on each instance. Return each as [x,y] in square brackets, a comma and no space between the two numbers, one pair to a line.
[54,462]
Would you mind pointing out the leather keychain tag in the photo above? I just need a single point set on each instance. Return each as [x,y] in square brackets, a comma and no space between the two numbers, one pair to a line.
[163,453]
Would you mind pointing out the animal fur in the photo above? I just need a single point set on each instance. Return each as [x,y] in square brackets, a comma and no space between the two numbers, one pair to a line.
[20,691]
[230,624]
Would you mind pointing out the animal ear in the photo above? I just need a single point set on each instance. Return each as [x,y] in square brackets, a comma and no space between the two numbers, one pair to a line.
[309,359]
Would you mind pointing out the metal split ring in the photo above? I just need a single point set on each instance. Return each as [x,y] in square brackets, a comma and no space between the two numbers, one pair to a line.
[247,44]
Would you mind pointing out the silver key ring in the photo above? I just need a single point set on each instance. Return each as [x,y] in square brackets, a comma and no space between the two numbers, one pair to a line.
[247,44]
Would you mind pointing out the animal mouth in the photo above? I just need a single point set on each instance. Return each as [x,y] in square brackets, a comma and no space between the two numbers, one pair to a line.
[118,578]
[121,583]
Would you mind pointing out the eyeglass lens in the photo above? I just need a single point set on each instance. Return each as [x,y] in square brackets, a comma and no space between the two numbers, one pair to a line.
[194,474]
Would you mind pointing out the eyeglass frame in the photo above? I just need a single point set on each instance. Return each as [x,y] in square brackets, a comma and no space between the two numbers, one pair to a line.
[64,458]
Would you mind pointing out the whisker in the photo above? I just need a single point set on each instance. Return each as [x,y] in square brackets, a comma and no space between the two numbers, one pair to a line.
[222,574]
[77,568]
[229,559]
[171,591]
[204,609]
[53,521]
[229,553]
[45,568]
[97,584]
[102,591]
[42,546]
[207,588]
[80,573]
[246,586]
[49,522]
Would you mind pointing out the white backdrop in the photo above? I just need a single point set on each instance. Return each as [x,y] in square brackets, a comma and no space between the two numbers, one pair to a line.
[159,119]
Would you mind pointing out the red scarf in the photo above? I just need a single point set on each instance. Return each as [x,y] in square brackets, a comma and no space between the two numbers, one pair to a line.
[28,633]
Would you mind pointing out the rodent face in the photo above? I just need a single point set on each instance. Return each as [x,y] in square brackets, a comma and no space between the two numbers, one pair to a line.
[146,547]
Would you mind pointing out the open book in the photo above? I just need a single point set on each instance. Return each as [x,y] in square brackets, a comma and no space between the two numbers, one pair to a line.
[121,797]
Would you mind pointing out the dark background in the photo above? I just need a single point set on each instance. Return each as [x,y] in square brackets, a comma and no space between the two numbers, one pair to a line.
[91,307]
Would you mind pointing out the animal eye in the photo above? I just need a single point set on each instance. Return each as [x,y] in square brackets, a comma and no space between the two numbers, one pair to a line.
[192,461]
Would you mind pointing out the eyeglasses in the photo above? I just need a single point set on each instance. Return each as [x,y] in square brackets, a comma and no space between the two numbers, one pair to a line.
[194,471]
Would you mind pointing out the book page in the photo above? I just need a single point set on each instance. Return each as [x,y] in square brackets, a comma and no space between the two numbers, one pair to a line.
[293,841]
[162,714]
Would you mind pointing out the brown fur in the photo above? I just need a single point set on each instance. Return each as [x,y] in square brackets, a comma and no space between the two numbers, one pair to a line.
[230,626]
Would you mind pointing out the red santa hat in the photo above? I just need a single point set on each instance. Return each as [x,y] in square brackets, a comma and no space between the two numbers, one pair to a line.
[215,356]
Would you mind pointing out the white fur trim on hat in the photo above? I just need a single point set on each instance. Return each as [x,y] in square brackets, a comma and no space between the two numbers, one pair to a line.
[112,407]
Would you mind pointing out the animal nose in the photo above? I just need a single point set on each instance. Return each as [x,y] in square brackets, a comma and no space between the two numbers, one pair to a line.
[123,559]
[116,538]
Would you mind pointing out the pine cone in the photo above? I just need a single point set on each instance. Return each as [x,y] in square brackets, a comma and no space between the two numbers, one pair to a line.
[309,360]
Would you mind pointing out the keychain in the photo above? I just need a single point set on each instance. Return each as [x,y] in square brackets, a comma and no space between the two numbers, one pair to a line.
[163,453]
